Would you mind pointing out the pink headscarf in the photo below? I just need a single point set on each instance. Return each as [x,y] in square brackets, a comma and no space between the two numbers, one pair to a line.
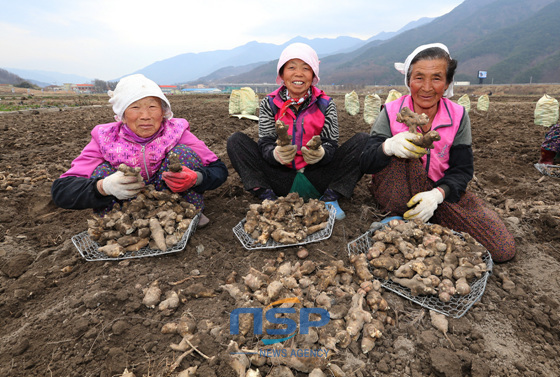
[299,51]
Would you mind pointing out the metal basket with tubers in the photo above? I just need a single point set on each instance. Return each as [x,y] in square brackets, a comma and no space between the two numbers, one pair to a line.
[428,264]
[549,170]
[288,221]
[151,224]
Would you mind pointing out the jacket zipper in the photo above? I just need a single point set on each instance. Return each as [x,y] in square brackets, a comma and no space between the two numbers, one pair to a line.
[145,164]
[297,114]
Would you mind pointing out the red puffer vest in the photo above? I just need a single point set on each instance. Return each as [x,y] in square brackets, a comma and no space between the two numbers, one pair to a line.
[308,122]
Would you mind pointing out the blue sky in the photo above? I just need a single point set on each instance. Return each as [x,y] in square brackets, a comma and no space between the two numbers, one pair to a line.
[106,39]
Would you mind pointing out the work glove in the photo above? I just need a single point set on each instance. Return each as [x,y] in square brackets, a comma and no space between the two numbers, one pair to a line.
[122,186]
[401,146]
[425,205]
[285,154]
[312,156]
[180,181]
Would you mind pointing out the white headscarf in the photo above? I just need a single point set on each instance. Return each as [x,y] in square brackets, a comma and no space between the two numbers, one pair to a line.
[403,67]
[133,88]
[299,51]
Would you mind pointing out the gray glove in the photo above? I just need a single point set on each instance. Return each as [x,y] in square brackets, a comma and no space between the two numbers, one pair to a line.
[285,154]
[122,186]
[312,156]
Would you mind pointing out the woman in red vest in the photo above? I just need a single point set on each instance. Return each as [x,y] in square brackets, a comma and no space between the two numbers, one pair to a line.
[269,170]
[431,184]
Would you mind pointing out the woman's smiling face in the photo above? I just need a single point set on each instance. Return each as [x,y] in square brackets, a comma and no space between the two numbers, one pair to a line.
[297,76]
[428,83]
[144,117]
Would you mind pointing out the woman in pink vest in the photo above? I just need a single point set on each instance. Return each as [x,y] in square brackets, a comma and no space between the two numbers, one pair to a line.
[431,184]
[144,135]
[268,169]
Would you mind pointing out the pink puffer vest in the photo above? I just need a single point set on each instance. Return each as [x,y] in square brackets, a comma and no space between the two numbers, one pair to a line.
[446,123]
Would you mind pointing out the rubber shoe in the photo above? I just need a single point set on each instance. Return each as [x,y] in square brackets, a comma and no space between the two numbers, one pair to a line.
[268,194]
[339,212]
[387,219]
[203,221]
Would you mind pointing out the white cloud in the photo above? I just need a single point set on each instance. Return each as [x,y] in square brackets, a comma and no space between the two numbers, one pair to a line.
[107,39]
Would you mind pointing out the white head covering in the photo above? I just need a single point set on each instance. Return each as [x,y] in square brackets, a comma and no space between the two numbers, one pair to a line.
[299,51]
[133,88]
[403,67]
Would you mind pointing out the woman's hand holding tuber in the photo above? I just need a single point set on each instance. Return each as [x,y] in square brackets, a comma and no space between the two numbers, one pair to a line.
[122,186]
[425,205]
[312,156]
[285,154]
[180,181]
[401,146]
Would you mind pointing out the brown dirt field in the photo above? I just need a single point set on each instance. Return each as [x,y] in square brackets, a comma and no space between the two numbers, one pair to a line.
[61,315]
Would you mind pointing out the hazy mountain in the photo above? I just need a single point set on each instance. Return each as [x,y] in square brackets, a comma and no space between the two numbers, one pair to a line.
[222,73]
[187,67]
[323,46]
[215,65]
[411,25]
[45,78]
[9,78]
[514,40]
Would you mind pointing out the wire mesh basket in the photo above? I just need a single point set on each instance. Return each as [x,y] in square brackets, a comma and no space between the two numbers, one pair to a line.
[550,170]
[89,248]
[456,307]
[251,244]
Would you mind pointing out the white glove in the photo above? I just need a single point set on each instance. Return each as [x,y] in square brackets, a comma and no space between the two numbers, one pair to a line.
[285,154]
[426,203]
[312,156]
[122,186]
[401,146]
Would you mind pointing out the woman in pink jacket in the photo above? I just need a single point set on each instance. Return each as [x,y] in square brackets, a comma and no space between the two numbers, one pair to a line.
[144,136]
[431,184]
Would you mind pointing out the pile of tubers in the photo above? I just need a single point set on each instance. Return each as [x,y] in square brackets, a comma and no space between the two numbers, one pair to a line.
[11,181]
[429,259]
[287,220]
[154,219]
[358,312]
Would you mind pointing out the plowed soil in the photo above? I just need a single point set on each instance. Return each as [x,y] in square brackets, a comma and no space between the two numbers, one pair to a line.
[61,315]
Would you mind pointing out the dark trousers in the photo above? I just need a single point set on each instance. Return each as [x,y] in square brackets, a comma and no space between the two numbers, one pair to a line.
[341,174]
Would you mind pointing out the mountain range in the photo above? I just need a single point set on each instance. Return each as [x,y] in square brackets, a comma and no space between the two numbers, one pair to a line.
[41,78]
[218,64]
[189,67]
[515,41]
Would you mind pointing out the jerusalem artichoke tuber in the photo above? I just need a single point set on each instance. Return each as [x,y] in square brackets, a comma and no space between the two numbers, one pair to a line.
[282,133]
[152,295]
[417,121]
